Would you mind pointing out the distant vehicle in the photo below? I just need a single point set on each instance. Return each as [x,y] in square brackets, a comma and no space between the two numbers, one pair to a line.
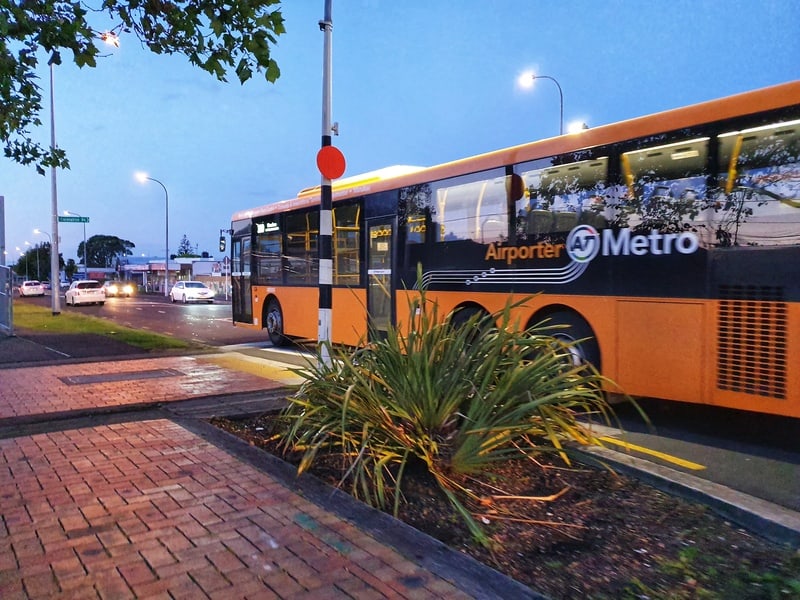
[85,291]
[191,291]
[31,288]
[119,288]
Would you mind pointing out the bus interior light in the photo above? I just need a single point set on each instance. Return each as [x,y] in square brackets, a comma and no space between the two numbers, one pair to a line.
[681,154]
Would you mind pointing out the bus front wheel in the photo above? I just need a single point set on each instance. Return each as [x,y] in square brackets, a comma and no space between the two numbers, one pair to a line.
[274,322]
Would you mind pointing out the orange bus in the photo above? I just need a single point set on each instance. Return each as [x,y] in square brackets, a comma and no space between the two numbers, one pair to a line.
[670,241]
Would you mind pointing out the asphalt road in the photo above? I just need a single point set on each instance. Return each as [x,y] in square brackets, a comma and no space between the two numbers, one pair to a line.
[209,324]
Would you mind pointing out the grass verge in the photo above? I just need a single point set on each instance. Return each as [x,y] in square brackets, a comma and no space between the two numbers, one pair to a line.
[36,318]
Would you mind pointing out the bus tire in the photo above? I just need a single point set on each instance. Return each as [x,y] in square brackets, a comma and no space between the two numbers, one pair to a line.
[461,317]
[274,323]
[585,351]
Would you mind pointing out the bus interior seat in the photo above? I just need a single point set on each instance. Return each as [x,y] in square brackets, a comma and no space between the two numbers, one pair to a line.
[540,222]
[589,217]
[565,221]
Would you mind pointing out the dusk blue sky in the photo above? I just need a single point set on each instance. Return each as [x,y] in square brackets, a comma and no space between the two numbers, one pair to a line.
[418,82]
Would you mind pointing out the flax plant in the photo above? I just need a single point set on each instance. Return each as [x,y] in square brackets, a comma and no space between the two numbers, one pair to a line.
[459,399]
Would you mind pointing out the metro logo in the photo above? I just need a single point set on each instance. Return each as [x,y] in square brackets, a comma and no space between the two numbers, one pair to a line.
[584,243]
[654,243]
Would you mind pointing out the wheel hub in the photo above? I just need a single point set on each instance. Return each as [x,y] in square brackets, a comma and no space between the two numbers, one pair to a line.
[274,324]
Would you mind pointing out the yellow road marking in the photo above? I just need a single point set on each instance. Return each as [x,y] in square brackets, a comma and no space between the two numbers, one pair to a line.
[258,367]
[665,457]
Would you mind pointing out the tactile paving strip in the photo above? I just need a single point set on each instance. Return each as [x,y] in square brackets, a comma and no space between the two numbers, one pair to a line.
[126,376]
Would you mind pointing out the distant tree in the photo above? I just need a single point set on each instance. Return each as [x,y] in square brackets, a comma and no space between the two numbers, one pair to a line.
[186,250]
[219,36]
[35,263]
[71,268]
[104,250]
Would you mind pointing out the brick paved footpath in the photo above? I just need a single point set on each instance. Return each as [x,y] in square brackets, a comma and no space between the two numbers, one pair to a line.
[149,508]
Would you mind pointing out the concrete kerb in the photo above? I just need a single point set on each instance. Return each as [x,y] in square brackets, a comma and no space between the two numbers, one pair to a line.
[134,411]
[763,518]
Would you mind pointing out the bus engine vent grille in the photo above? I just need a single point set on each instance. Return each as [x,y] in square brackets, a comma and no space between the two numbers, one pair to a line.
[752,340]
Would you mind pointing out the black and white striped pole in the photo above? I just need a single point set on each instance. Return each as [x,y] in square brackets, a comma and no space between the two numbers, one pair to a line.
[330,162]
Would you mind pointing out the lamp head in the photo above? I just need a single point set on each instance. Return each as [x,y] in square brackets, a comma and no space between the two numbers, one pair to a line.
[525,79]
[141,176]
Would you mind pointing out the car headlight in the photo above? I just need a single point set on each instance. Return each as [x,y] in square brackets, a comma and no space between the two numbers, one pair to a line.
[128,289]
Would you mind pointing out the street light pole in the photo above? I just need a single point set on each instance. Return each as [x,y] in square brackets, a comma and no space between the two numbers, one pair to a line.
[55,280]
[527,79]
[142,177]
[55,58]
[85,245]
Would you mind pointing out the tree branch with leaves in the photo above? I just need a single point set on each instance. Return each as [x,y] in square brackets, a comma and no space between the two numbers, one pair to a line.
[219,36]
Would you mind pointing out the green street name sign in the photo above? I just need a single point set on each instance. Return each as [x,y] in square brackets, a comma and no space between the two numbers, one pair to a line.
[73,219]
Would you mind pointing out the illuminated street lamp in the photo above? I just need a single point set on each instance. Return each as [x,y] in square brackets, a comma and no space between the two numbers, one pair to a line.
[142,177]
[85,245]
[577,127]
[526,81]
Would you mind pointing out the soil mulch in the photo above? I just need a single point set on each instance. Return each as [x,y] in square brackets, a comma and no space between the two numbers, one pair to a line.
[584,532]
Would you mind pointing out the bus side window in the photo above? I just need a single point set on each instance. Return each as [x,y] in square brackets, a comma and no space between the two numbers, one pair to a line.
[666,186]
[415,207]
[758,201]
[246,257]
[236,251]
[267,253]
[301,262]
[558,198]
[346,242]
[474,208]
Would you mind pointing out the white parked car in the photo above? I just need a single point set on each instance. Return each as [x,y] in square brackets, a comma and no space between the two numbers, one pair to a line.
[191,291]
[31,288]
[85,291]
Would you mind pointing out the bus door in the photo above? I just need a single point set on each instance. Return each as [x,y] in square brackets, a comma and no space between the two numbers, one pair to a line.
[241,298]
[380,288]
